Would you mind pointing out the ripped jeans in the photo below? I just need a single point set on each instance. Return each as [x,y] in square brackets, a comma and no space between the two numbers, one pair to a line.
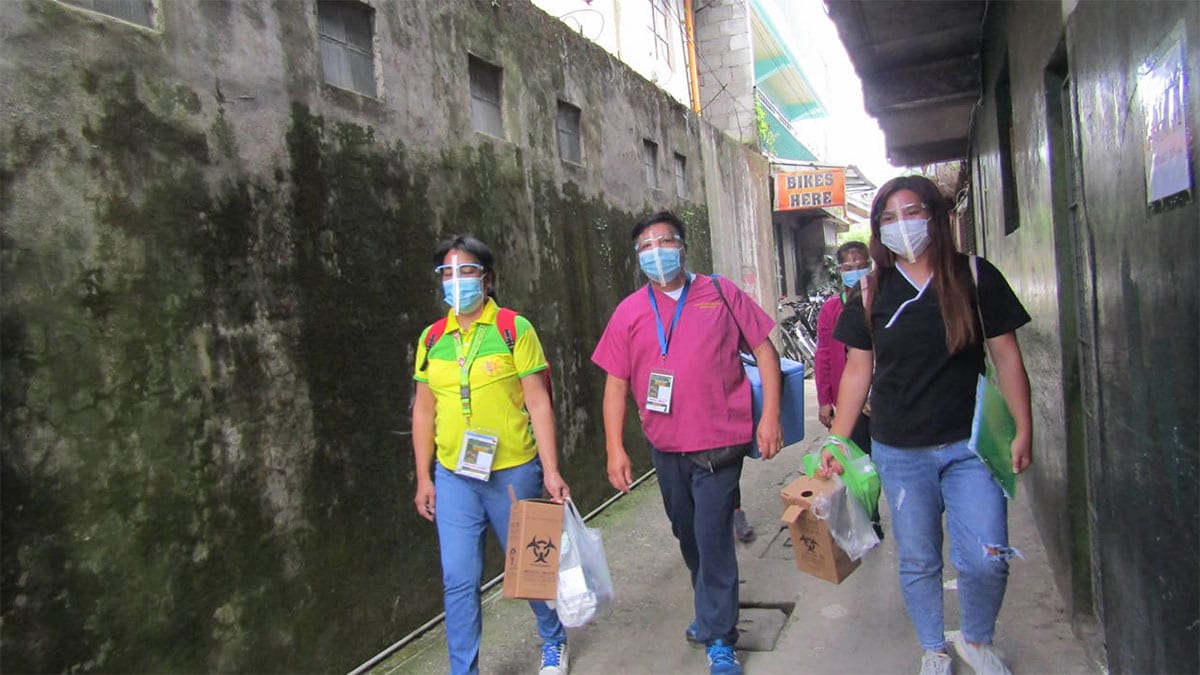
[921,484]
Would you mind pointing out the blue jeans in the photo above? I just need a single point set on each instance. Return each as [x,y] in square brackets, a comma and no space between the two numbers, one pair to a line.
[921,483]
[699,503]
[465,507]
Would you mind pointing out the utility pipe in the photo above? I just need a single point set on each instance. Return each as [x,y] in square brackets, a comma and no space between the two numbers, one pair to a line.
[689,24]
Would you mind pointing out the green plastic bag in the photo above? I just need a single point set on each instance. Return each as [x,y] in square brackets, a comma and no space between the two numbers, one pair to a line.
[860,476]
[993,431]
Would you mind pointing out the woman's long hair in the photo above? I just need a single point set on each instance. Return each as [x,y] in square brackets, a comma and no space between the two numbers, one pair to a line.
[953,289]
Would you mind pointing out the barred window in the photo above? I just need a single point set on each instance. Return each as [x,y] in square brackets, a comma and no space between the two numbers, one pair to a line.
[569,149]
[659,31]
[485,98]
[347,52]
[681,186]
[650,162]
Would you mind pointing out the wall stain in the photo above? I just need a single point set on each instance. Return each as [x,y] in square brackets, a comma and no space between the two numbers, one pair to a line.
[207,369]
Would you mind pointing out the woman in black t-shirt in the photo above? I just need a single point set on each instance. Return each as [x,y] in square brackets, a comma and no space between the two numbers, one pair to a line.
[917,348]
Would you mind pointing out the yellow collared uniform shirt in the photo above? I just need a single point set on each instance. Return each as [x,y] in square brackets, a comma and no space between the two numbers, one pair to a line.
[497,400]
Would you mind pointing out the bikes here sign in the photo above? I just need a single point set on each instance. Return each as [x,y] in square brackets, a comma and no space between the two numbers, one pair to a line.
[817,189]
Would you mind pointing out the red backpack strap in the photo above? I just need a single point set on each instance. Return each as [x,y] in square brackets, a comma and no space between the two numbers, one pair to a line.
[506,323]
[431,338]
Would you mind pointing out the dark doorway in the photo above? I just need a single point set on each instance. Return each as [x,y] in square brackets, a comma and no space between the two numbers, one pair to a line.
[1076,284]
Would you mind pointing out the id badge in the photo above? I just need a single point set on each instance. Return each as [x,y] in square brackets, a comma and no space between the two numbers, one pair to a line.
[476,454]
[658,393]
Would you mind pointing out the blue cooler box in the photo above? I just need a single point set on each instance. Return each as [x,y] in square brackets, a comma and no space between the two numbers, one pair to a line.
[791,407]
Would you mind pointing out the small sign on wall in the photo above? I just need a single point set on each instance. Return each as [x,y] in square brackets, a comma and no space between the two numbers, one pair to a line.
[818,189]
[1162,84]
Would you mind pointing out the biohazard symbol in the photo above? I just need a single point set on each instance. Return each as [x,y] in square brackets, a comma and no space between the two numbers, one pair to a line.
[541,548]
[809,542]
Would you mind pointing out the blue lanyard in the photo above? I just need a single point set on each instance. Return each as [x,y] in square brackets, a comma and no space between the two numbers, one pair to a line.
[664,338]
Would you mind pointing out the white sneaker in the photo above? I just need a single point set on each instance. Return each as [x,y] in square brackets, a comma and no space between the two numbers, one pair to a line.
[984,659]
[554,658]
[936,663]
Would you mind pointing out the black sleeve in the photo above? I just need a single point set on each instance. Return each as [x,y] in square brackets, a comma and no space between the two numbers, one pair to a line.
[1002,311]
[851,327]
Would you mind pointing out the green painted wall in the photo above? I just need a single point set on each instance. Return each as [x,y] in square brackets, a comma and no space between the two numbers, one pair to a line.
[213,273]
[1113,351]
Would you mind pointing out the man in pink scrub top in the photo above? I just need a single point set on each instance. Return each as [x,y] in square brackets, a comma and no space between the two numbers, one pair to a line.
[673,344]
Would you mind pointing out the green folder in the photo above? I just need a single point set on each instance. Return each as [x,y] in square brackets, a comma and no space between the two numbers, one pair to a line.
[993,431]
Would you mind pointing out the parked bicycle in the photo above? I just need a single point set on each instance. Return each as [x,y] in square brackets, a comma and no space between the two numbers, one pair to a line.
[799,331]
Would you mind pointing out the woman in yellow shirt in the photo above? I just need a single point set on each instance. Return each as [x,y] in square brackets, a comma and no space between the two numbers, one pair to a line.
[482,422]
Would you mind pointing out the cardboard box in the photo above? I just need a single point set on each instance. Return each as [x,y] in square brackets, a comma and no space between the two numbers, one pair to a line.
[531,561]
[814,547]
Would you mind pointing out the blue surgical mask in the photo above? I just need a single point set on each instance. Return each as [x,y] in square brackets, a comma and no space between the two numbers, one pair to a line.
[470,292]
[850,278]
[661,264]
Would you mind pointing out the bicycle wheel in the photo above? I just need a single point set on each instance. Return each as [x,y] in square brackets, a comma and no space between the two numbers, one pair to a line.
[808,352]
[791,346]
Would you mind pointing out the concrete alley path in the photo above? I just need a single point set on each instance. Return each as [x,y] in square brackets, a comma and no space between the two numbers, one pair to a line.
[857,627]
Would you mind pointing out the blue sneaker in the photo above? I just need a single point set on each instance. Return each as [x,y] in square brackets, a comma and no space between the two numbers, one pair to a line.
[722,659]
[693,633]
[554,658]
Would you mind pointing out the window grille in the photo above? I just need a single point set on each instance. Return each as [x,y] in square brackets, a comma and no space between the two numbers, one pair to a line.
[485,98]
[659,30]
[568,133]
[347,52]
[650,162]
[681,185]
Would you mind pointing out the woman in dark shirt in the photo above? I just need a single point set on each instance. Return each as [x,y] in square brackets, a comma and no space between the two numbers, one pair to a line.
[917,348]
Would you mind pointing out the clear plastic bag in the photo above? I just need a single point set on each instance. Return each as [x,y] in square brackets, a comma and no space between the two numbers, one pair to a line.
[862,481]
[847,520]
[585,587]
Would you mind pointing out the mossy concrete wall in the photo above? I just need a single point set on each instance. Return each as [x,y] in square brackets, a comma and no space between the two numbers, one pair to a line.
[1113,351]
[214,272]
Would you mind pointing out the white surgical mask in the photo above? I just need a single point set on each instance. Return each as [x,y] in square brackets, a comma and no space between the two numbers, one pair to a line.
[908,238]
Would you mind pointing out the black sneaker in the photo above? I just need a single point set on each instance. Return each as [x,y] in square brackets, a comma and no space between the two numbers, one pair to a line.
[742,529]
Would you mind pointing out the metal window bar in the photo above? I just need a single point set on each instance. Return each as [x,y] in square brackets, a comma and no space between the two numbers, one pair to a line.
[568,133]
[347,53]
[650,162]
[681,175]
[485,98]
[140,12]
[660,30]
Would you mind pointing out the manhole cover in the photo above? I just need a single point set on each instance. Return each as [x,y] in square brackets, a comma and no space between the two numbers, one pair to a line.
[759,628]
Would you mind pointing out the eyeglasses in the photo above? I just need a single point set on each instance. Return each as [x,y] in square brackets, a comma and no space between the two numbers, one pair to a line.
[464,270]
[852,265]
[907,212]
[665,241]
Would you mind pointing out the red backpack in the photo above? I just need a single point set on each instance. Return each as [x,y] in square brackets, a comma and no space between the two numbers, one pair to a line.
[506,323]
